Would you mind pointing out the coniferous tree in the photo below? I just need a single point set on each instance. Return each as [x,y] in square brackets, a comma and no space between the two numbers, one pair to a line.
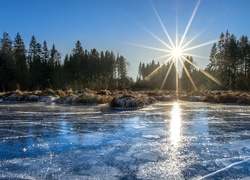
[45,53]
[7,64]
[232,61]
[45,65]
[121,71]
[244,62]
[36,68]
[187,75]
[42,68]
[21,64]
[32,51]
[77,64]
[54,67]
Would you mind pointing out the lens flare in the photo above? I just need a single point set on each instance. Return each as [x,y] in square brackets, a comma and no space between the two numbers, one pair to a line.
[177,50]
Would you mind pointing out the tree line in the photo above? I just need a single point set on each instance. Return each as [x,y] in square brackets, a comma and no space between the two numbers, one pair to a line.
[152,75]
[230,61]
[39,67]
[165,76]
[228,69]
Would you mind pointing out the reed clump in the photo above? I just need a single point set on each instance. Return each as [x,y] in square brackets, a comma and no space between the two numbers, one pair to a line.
[142,98]
[227,97]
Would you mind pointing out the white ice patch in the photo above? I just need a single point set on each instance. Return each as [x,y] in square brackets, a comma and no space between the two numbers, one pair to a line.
[151,136]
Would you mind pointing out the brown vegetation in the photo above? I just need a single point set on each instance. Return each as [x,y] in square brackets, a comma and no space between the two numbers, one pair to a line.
[227,97]
[139,98]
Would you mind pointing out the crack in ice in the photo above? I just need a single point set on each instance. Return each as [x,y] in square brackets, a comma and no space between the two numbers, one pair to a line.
[223,169]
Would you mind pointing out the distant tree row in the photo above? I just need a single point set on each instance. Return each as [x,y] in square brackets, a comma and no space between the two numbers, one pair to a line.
[96,70]
[229,68]
[155,76]
[40,67]
[152,75]
[230,61]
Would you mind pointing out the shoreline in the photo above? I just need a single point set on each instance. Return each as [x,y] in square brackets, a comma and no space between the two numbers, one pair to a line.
[125,98]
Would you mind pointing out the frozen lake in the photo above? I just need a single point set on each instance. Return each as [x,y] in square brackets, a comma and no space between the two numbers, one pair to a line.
[174,140]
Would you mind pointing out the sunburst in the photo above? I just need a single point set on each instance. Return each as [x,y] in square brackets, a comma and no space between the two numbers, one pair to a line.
[176,52]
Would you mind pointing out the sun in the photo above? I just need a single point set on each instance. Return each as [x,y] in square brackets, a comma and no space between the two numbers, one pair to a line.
[177,53]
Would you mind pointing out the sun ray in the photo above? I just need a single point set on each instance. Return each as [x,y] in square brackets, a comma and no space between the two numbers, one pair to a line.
[176,30]
[200,45]
[159,39]
[189,76]
[204,72]
[211,77]
[190,22]
[194,55]
[190,62]
[166,76]
[175,52]
[195,37]
[163,57]
[153,72]
[162,25]
[150,47]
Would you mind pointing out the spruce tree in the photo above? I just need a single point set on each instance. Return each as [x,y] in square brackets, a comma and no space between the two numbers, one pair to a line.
[7,64]
[21,64]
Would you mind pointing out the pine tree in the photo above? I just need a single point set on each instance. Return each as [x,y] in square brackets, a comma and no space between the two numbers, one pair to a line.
[32,51]
[244,62]
[21,64]
[233,61]
[54,67]
[187,78]
[213,58]
[45,53]
[36,68]
[7,63]
[122,72]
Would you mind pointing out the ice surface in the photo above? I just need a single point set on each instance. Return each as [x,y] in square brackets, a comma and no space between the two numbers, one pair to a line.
[39,141]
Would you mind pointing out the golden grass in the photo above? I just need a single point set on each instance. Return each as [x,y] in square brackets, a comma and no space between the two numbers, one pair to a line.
[60,93]
[88,96]
[227,97]
[20,93]
[69,91]
[91,98]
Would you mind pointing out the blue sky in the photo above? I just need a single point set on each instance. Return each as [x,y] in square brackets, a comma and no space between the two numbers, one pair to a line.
[116,24]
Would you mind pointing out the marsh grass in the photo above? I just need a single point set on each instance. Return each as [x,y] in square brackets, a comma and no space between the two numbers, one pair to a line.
[91,98]
[227,97]
[88,96]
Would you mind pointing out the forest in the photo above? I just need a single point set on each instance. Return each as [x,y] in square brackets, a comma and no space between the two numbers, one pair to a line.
[39,67]
[229,64]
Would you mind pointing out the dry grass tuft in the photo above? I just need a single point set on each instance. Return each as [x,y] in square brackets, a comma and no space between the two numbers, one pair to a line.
[227,97]
[156,93]
[104,99]
[48,92]
[20,93]
[87,98]
[36,92]
[60,93]
[69,91]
